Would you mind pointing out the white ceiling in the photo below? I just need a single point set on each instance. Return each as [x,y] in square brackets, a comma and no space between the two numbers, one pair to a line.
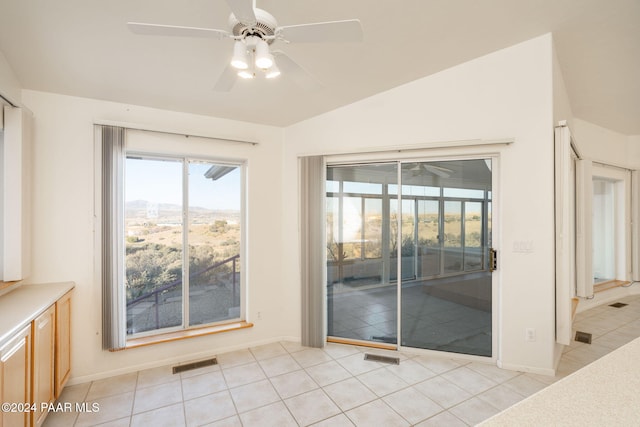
[83,48]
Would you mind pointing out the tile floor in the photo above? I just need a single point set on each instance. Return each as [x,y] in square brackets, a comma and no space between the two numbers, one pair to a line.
[285,384]
[369,313]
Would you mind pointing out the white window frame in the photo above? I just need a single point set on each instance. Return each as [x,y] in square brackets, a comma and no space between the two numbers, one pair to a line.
[184,160]
[151,143]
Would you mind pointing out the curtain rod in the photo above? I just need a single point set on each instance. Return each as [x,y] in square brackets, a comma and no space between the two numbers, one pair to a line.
[416,147]
[186,135]
[8,101]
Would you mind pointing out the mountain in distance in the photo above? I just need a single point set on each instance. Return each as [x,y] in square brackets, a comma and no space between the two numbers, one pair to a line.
[144,209]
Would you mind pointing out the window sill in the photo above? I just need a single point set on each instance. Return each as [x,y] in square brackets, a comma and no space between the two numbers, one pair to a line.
[189,333]
[609,284]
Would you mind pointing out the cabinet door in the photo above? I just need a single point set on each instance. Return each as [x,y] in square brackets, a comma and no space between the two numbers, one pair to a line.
[63,342]
[15,378]
[43,362]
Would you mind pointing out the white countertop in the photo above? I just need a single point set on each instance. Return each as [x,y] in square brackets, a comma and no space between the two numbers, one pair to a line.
[20,306]
[604,393]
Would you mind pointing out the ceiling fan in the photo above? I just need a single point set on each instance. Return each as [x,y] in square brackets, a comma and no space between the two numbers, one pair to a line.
[254,31]
[421,168]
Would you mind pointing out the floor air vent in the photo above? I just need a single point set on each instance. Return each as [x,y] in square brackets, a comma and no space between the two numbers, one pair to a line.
[194,365]
[584,337]
[382,359]
[618,305]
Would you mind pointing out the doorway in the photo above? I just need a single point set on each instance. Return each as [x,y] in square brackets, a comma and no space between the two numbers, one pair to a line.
[408,254]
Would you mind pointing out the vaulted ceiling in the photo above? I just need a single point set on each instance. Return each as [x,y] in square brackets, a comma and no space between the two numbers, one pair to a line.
[84,48]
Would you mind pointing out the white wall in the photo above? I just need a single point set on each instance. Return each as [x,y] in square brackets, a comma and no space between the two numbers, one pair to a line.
[602,144]
[10,87]
[561,102]
[63,225]
[504,94]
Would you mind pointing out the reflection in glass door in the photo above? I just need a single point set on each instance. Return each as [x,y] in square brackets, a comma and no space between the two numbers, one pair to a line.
[422,232]
[362,253]
[449,306]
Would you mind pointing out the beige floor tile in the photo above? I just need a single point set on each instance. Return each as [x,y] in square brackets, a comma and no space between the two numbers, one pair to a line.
[227,422]
[122,422]
[279,365]
[356,364]
[157,396]
[340,350]
[311,407]
[241,375]
[168,416]
[524,385]
[443,419]
[438,365]
[328,373]
[209,408]
[493,372]
[411,371]
[112,386]
[469,380]
[340,420]
[293,347]
[376,413]
[412,405]
[254,395]
[155,376]
[75,393]
[268,351]
[293,383]
[273,415]
[111,408]
[201,385]
[501,397]
[235,358]
[443,392]
[348,394]
[474,411]
[383,382]
[60,419]
[310,357]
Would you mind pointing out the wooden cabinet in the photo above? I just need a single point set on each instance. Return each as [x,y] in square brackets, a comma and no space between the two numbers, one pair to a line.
[35,362]
[15,378]
[63,343]
[44,331]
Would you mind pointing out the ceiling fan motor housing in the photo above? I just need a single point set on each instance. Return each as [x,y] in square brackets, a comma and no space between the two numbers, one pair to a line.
[264,28]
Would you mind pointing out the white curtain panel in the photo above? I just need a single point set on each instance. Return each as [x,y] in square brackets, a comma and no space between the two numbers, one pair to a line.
[113,291]
[312,190]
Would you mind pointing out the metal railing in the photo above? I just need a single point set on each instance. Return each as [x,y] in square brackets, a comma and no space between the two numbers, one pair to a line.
[156,292]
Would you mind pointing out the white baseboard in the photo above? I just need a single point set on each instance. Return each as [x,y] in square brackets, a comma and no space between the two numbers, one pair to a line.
[529,369]
[175,360]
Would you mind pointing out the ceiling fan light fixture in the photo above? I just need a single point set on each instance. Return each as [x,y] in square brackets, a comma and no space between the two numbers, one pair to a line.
[272,72]
[246,74]
[264,59]
[239,59]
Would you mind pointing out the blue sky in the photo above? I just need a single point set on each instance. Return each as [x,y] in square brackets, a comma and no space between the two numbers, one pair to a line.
[160,181]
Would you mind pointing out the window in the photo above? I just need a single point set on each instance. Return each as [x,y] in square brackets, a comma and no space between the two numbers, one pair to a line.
[172,238]
[183,239]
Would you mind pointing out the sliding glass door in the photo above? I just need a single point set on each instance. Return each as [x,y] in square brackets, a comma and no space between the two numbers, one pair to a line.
[418,233]
[362,251]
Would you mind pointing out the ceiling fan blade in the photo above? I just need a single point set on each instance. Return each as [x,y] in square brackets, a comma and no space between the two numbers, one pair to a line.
[243,10]
[226,80]
[293,70]
[441,172]
[174,30]
[321,32]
